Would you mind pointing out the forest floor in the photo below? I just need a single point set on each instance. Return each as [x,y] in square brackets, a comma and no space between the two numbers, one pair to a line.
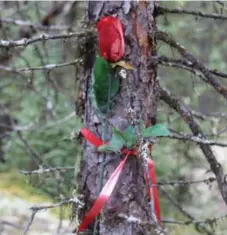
[15,215]
[16,197]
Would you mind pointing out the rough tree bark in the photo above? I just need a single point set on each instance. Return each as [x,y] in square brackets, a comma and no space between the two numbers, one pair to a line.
[138,92]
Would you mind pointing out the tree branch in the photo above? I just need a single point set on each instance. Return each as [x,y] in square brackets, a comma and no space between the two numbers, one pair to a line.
[185,182]
[184,64]
[9,223]
[163,36]
[36,25]
[215,220]
[177,63]
[73,200]
[42,170]
[27,227]
[195,139]
[187,116]
[35,209]
[44,37]
[45,67]
[208,221]
[36,156]
[199,227]
[164,10]
[36,127]
[203,116]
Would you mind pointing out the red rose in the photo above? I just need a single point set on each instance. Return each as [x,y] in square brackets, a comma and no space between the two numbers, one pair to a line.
[111,38]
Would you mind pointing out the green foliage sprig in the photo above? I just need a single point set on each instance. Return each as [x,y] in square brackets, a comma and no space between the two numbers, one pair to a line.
[129,139]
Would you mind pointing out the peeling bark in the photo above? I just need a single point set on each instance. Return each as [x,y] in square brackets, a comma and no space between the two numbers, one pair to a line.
[139,92]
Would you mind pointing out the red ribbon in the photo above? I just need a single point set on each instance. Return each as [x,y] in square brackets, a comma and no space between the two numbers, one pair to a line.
[91,137]
[112,181]
[154,189]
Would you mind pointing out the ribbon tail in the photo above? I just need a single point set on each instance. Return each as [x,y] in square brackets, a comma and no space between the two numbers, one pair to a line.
[103,196]
[154,189]
[91,137]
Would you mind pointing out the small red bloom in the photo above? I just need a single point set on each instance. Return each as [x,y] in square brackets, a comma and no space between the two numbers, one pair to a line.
[111,38]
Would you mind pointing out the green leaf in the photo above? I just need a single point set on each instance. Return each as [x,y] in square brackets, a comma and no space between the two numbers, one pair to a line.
[116,143]
[107,148]
[156,130]
[142,126]
[104,85]
[118,134]
[130,136]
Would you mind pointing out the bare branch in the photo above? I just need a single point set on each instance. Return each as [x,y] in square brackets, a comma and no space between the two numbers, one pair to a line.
[187,116]
[203,116]
[176,63]
[74,200]
[195,139]
[9,223]
[200,224]
[42,170]
[220,2]
[198,227]
[36,127]
[215,220]
[45,67]
[163,36]
[27,227]
[208,221]
[35,209]
[186,182]
[218,73]
[184,64]
[36,25]
[44,37]
[30,149]
[164,10]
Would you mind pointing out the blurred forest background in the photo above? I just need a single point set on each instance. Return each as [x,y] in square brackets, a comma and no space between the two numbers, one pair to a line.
[38,122]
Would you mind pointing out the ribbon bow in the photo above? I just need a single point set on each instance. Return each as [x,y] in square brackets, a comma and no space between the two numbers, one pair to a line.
[112,181]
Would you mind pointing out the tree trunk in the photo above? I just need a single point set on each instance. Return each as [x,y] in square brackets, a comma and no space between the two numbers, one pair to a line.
[138,93]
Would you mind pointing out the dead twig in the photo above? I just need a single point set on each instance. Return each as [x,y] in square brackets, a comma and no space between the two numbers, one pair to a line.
[165,10]
[188,117]
[211,79]
[42,38]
